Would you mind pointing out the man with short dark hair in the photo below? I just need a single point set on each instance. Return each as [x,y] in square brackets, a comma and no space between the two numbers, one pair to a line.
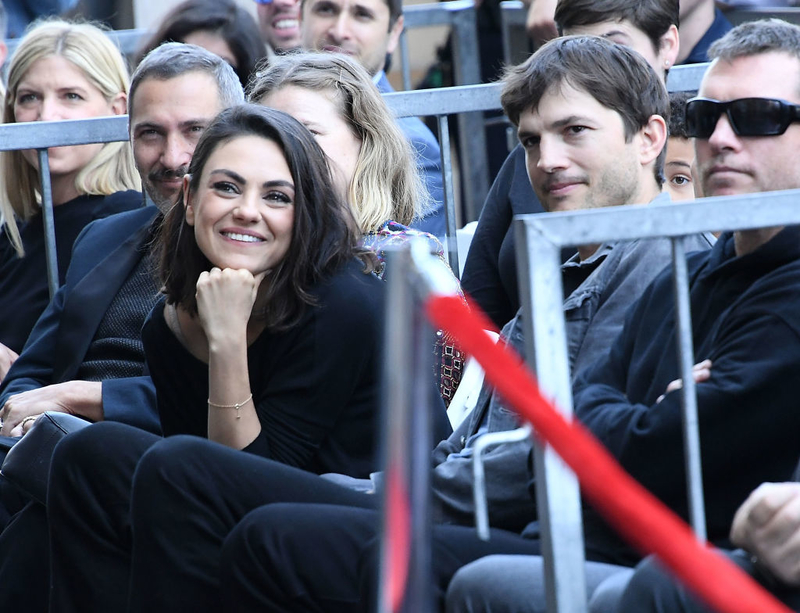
[369,30]
[701,24]
[490,271]
[745,125]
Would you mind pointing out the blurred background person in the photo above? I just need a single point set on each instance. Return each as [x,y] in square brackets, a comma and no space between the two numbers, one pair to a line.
[220,26]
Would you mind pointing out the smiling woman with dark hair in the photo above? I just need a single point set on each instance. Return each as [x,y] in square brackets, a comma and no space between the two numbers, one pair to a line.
[266,340]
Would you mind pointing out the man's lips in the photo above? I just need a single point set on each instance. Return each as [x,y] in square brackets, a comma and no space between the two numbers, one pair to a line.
[561,188]
[722,169]
[337,49]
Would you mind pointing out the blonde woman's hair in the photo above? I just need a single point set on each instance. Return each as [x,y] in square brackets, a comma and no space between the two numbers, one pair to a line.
[386,184]
[87,47]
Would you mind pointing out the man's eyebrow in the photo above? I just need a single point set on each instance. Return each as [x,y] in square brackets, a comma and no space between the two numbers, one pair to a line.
[572,119]
[613,33]
[146,124]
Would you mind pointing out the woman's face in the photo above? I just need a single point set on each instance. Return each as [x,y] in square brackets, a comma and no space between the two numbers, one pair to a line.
[213,42]
[243,208]
[54,89]
[319,112]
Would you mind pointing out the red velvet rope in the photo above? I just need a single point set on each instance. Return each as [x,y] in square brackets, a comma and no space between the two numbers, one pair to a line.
[636,514]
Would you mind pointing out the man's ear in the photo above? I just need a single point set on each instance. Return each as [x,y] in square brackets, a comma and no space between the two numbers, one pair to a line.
[394,35]
[653,139]
[188,204]
[669,47]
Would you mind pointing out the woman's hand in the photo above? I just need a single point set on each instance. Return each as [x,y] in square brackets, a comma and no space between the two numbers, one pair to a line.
[225,300]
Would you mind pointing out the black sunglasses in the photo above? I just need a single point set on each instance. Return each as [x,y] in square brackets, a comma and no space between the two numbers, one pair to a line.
[747,116]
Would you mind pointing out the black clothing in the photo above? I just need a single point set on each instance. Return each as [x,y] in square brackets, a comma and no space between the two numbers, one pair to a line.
[23,281]
[746,321]
[315,386]
[490,272]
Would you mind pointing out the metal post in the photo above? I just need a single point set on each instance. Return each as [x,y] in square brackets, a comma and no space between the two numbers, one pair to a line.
[557,493]
[685,347]
[405,61]
[49,224]
[449,199]
[405,545]
[471,129]
[479,477]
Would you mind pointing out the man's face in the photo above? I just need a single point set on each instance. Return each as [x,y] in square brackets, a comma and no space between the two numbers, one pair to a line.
[576,153]
[280,23]
[168,118]
[359,28]
[623,32]
[732,164]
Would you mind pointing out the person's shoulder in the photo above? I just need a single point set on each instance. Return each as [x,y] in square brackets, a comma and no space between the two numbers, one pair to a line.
[119,202]
[349,287]
[128,220]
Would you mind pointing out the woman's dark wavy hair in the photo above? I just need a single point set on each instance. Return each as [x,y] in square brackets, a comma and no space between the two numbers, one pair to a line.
[324,233]
[230,21]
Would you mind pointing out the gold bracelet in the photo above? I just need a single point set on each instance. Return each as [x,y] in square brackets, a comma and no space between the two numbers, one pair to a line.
[236,406]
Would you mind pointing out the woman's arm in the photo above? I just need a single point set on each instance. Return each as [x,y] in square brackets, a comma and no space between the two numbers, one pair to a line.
[225,300]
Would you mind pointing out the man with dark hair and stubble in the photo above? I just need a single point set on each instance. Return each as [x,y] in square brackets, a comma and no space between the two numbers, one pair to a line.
[490,272]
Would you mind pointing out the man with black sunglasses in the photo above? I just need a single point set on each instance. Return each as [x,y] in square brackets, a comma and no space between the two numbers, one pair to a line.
[747,138]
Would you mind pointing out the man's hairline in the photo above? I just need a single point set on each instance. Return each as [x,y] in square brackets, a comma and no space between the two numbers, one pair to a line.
[158,77]
[732,58]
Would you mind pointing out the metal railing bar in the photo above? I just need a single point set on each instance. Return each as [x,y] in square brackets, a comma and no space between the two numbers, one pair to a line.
[445,100]
[479,474]
[51,255]
[765,209]
[691,427]
[44,134]
[557,493]
[686,77]
[449,198]
[434,14]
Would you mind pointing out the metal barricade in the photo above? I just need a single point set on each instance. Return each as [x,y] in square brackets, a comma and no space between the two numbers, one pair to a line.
[405,561]
[540,239]
[516,44]
[460,15]
[41,135]
[740,15]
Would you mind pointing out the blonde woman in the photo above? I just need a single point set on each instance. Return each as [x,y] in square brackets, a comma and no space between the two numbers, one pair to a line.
[371,160]
[60,71]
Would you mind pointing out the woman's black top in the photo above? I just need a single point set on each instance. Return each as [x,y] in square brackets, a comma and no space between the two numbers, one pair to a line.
[315,386]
